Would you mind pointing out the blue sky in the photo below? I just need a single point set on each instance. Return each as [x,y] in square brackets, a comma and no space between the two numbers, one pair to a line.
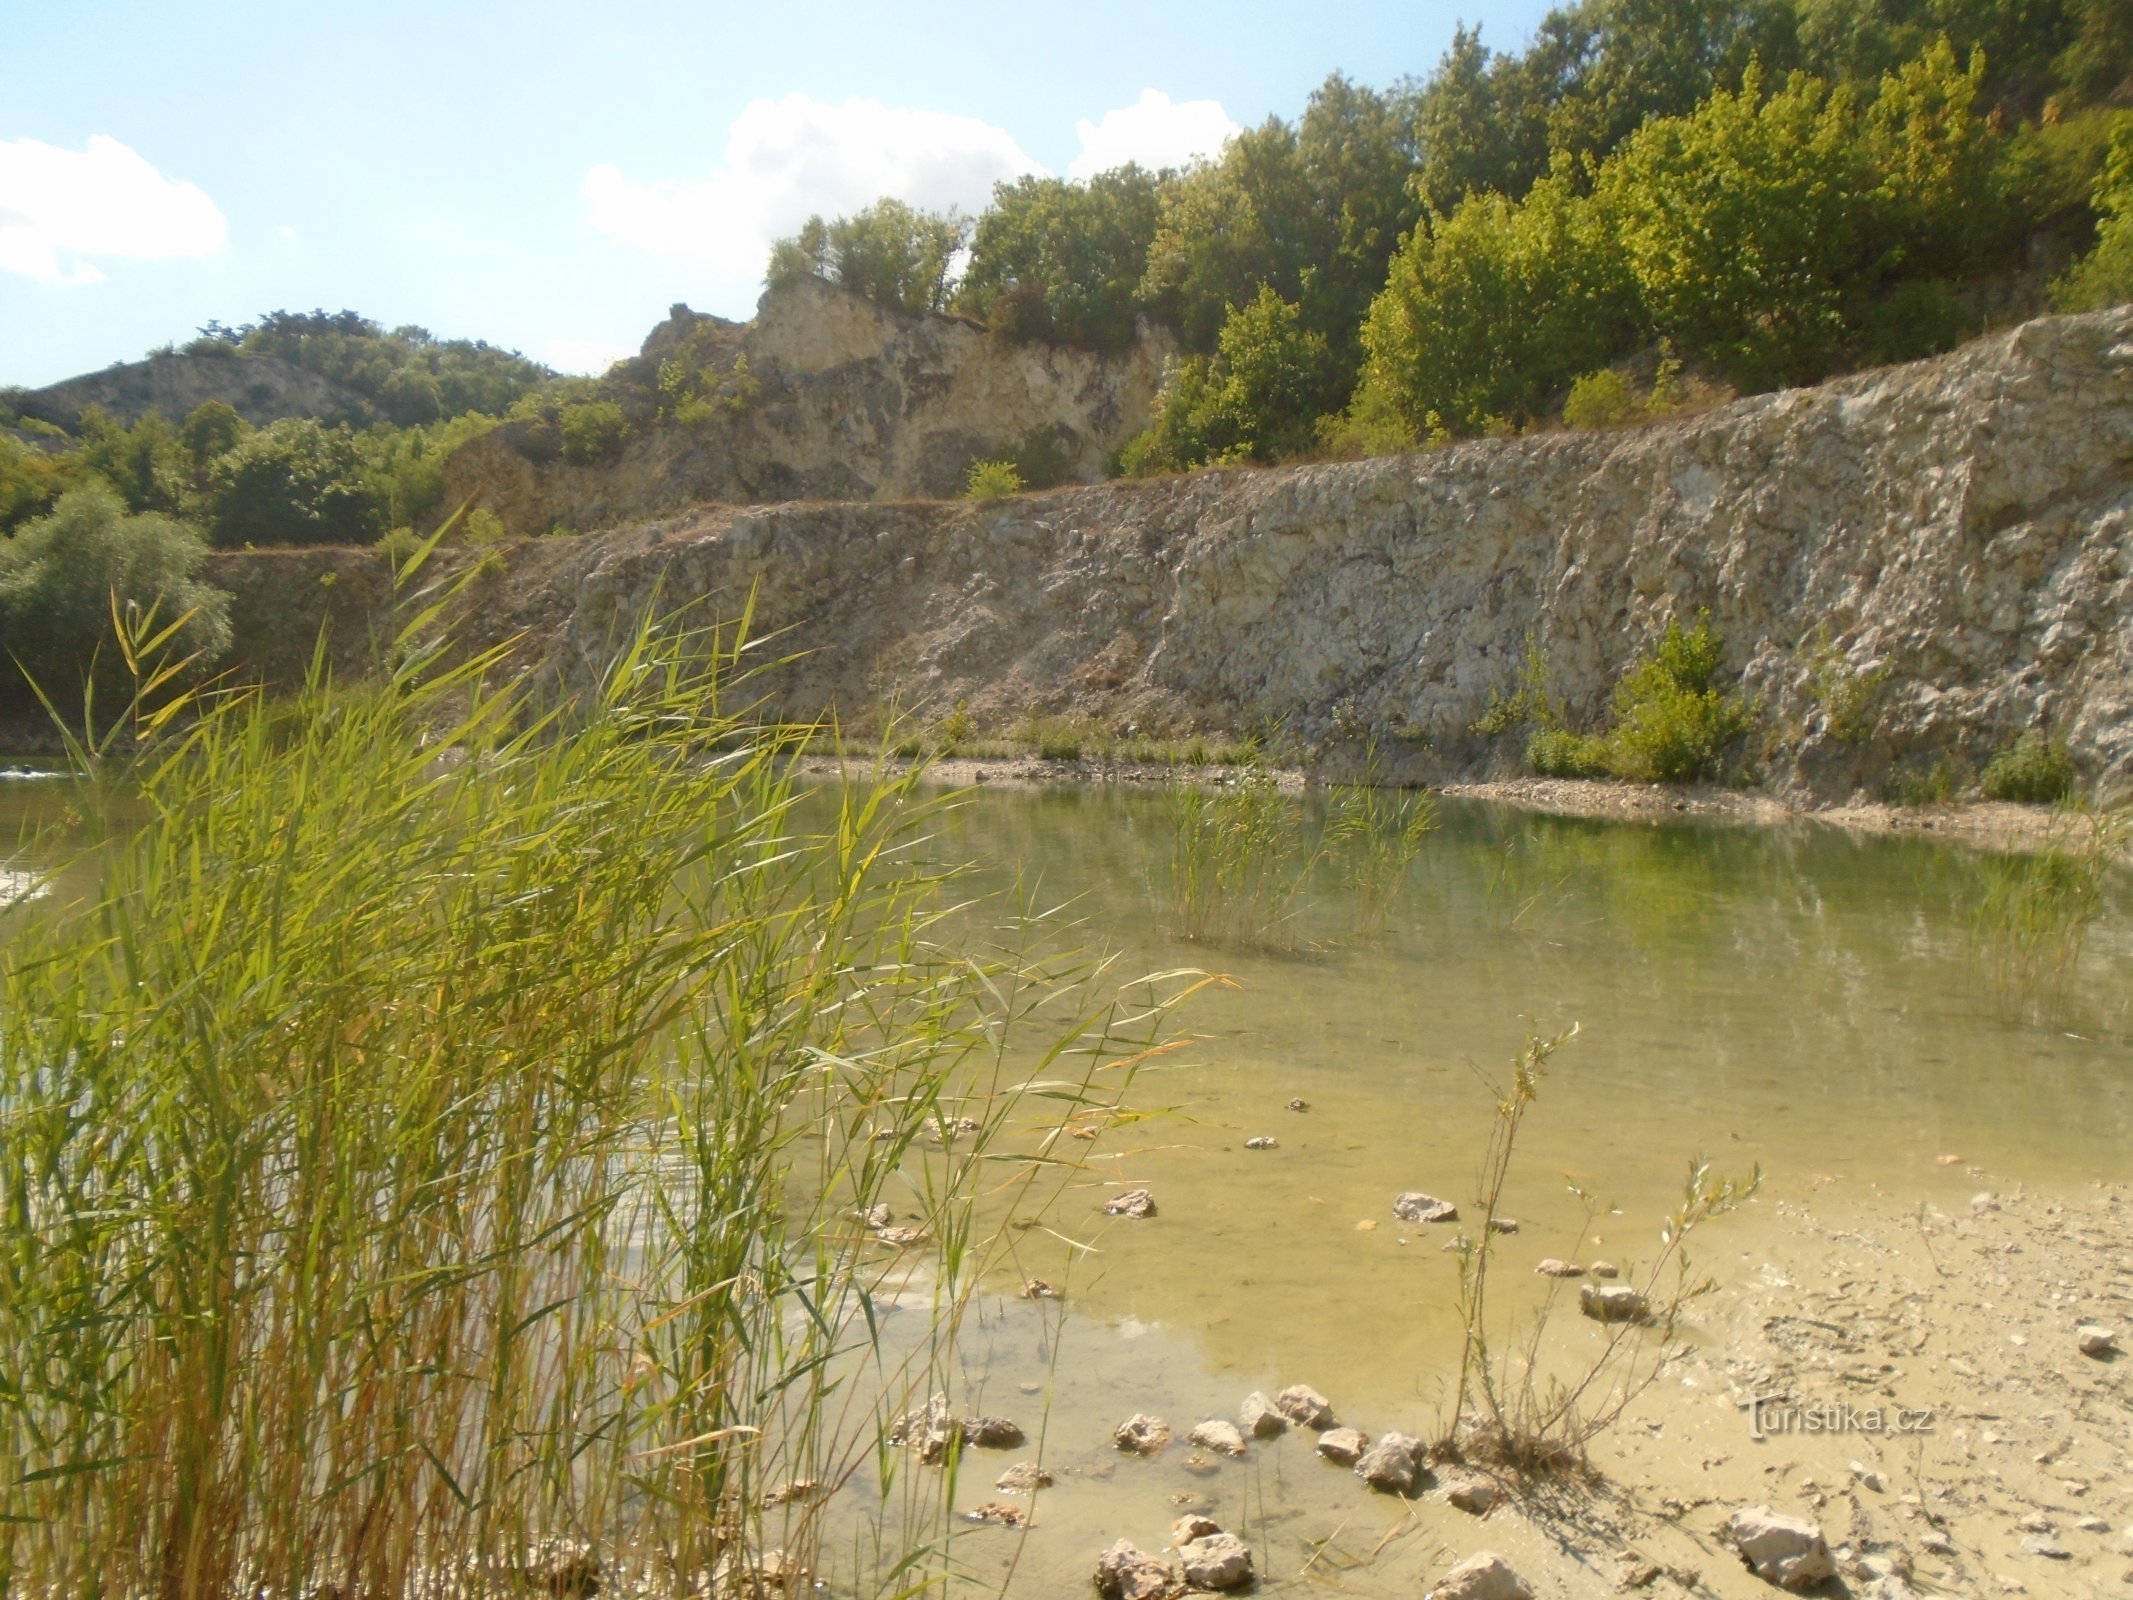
[552,177]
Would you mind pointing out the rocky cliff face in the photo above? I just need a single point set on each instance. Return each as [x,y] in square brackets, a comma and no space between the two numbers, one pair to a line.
[843,399]
[259,388]
[1965,523]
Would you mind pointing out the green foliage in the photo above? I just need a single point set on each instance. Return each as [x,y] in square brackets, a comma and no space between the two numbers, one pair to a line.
[593,431]
[32,479]
[398,544]
[1062,261]
[1532,702]
[992,480]
[1673,723]
[1492,310]
[294,482]
[62,574]
[411,375]
[1600,399]
[891,253]
[481,526]
[1253,402]
[1847,695]
[2030,914]
[212,428]
[1238,858]
[2104,277]
[2034,769]
[1374,835]
[1370,426]
[1560,753]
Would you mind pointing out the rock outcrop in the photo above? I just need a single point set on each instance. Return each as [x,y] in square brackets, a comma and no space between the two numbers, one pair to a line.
[839,398]
[258,388]
[1963,524]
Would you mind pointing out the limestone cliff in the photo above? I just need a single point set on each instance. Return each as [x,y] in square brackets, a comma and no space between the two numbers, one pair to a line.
[1966,523]
[839,398]
[259,388]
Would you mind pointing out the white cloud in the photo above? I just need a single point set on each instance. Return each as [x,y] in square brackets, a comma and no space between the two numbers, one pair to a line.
[58,206]
[1156,131]
[789,159]
[592,356]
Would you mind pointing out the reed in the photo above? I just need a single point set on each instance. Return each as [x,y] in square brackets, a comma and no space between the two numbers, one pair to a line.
[1376,833]
[437,1153]
[2030,913]
[1240,854]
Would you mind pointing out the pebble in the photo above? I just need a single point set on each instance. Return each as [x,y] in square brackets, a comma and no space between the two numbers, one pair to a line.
[1475,1496]
[1216,1561]
[1125,1573]
[1305,1406]
[1299,1105]
[1142,1434]
[998,1514]
[2049,1549]
[1024,1477]
[1260,1417]
[992,1433]
[1265,1141]
[2094,1340]
[1133,1203]
[1193,1525]
[1392,1464]
[1503,1224]
[1219,1436]
[1344,1445]
[1606,1269]
[1039,1289]
[1414,1206]
[1614,1303]
[1485,1575]
[1552,1268]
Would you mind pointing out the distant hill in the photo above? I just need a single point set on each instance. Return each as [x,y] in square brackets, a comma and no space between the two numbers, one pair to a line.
[261,389]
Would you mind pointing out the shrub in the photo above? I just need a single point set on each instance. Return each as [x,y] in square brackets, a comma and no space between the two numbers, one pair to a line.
[993,480]
[2035,770]
[293,482]
[60,574]
[593,431]
[1559,753]
[1599,400]
[481,526]
[399,544]
[1672,724]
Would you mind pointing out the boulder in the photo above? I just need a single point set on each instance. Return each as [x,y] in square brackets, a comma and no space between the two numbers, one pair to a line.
[1259,1417]
[1418,1207]
[1304,1406]
[1142,1434]
[1125,1573]
[992,1433]
[1024,1477]
[1475,1496]
[1345,1445]
[1218,1435]
[1616,1302]
[1484,1575]
[1216,1561]
[927,1430]
[1787,1551]
[1392,1464]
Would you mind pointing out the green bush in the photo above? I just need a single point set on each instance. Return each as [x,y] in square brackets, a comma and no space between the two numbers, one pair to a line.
[293,482]
[1599,400]
[1559,753]
[60,574]
[399,544]
[993,480]
[2035,770]
[593,431]
[1672,723]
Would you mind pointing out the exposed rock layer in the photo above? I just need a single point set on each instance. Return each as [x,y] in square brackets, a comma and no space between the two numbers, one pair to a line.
[1965,523]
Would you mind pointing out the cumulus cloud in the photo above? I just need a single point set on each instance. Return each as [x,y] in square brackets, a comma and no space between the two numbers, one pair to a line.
[58,207]
[1155,130]
[593,356]
[788,159]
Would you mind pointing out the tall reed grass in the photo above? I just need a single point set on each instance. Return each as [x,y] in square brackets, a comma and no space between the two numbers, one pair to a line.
[439,1155]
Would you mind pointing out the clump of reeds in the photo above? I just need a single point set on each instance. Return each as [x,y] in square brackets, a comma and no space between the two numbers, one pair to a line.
[1240,854]
[1375,833]
[2030,913]
[451,1128]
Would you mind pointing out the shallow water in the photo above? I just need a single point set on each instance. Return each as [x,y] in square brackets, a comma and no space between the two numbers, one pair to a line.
[1804,1000]
[1800,999]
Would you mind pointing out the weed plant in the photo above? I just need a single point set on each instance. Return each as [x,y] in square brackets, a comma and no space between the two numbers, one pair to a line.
[2030,914]
[2034,770]
[1504,1413]
[441,1135]
[1375,834]
[1239,856]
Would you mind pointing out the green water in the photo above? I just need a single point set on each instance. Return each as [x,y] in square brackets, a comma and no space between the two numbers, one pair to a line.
[1799,999]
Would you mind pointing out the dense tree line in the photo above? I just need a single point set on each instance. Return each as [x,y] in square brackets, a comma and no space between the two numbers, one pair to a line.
[1761,191]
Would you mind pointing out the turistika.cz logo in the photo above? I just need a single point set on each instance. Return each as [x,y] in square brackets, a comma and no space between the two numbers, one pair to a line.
[1771,1414]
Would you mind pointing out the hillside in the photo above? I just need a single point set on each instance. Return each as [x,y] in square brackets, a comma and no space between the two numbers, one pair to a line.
[1953,539]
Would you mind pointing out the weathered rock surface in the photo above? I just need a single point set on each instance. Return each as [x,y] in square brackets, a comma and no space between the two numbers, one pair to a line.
[992,1433]
[1304,1406]
[1193,1525]
[1962,522]
[1392,1464]
[1024,1477]
[1216,1561]
[1485,1575]
[1417,1207]
[1614,1302]
[1218,1435]
[1260,1418]
[1475,1496]
[1142,1434]
[1787,1551]
[851,400]
[258,388]
[1345,1445]
[1125,1573]
[1133,1203]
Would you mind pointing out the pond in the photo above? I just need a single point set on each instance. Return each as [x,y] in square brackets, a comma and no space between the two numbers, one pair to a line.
[1818,1005]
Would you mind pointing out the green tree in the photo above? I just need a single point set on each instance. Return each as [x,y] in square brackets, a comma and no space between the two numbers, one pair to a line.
[1252,402]
[1064,261]
[294,482]
[1741,224]
[1490,312]
[892,253]
[146,463]
[210,429]
[60,572]
[2104,277]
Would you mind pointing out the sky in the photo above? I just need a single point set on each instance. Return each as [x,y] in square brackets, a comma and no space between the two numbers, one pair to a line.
[552,177]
